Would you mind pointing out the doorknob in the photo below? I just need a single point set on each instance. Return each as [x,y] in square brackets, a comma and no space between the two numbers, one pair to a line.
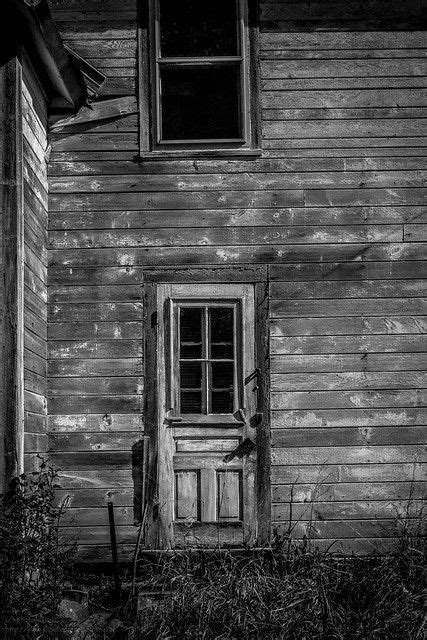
[243,449]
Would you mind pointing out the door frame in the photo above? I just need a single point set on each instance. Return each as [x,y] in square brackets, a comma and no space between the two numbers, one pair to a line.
[158,532]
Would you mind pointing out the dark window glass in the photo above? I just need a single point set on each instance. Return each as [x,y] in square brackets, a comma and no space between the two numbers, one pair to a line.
[191,402]
[222,387]
[221,333]
[191,382]
[190,334]
[197,28]
[191,375]
[222,401]
[200,103]
[222,375]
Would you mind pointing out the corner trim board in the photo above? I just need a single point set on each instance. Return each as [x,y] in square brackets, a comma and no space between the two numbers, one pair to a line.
[13,253]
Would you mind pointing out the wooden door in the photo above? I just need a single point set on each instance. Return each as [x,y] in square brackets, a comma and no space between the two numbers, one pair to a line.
[207,386]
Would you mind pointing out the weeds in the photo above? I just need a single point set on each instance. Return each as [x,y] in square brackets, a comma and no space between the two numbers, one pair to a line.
[293,591]
[309,595]
[33,558]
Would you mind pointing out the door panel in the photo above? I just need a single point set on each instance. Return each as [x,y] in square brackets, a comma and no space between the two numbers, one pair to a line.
[187,492]
[208,382]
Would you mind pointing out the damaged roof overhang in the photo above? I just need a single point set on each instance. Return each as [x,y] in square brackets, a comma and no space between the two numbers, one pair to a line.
[30,22]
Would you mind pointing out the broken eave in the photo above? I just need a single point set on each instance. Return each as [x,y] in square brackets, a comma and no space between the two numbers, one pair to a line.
[36,29]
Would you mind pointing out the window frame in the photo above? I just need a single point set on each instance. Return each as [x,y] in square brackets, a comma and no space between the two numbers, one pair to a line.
[151,144]
[240,295]
[238,358]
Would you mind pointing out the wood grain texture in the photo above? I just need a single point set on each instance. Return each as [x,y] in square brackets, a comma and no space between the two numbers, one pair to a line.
[35,238]
[13,283]
[333,212]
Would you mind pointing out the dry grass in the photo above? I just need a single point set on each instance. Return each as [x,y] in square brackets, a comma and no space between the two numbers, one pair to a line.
[290,593]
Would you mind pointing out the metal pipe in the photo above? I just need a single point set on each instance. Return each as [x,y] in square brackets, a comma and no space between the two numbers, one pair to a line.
[117,587]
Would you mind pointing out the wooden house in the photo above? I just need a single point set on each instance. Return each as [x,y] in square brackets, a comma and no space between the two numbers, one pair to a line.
[212,240]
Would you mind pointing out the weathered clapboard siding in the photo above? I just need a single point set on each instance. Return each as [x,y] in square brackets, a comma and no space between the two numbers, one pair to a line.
[334,206]
[34,112]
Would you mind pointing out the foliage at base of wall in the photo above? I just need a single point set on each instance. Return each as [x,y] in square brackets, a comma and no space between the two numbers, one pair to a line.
[33,558]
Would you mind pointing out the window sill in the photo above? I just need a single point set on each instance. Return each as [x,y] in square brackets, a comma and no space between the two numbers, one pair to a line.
[216,419]
[197,154]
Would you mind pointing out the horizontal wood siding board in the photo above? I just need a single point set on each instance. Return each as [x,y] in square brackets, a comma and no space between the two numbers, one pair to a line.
[357,269]
[99,330]
[341,54]
[224,237]
[348,381]
[78,367]
[347,455]
[282,147]
[348,40]
[318,474]
[95,386]
[95,404]
[95,349]
[162,256]
[96,497]
[99,312]
[104,163]
[100,441]
[346,511]
[379,359]
[246,217]
[334,211]
[87,461]
[348,491]
[348,289]
[415,66]
[345,325]
[351,417]
[178,200]
[95,423]
[332,437]
[228,182]
[347,344]
[348,399]
[351,307]
[116,293]
[396,148]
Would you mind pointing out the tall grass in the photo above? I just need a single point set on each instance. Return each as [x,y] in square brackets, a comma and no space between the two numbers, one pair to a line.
[289,592]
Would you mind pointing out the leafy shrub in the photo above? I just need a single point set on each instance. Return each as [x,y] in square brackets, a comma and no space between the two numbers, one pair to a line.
[33,558]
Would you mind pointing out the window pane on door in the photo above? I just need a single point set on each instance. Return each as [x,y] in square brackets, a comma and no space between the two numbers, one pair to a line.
[222,394]
[196,28]
[191,387]
[200,102]
[190,332]
[221,322]
[191,402]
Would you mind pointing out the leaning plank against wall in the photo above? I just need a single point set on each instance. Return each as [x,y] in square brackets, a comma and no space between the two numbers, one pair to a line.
[334,209]
[34,128]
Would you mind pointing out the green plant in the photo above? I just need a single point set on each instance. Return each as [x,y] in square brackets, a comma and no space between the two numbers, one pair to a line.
[33,557]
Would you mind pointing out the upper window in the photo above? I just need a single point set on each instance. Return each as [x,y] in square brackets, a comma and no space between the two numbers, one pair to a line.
[200,78]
